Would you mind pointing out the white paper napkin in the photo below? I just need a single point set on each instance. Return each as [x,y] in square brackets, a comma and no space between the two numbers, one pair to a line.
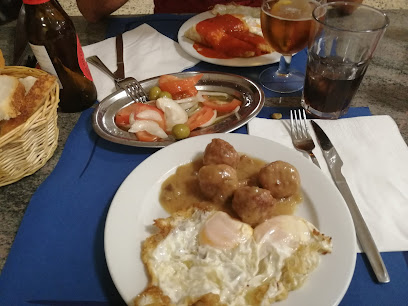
[146,54]
[375,165]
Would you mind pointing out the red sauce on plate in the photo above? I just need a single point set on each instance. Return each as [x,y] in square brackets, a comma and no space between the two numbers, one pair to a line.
[209,52]
[226,36]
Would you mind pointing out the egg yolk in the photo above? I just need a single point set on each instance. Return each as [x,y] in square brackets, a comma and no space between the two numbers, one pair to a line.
[286,229]
[223,232]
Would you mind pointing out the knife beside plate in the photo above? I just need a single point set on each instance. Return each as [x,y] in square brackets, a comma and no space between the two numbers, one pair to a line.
[120,71]
[364,237]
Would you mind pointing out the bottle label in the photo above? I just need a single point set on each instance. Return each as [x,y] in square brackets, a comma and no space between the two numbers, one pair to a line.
[34,2]
[44,60]
[82,62]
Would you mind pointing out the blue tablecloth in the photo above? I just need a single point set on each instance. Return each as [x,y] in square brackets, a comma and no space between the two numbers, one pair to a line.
[57,257]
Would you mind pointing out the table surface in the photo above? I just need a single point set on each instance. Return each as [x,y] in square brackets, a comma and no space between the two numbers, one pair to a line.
[384,90]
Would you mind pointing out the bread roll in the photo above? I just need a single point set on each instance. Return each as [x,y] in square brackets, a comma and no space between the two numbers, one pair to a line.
[31,102]
[12,94]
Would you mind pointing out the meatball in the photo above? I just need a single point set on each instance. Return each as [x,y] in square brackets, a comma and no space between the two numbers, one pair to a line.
[253,204]
[217,182]
[280,178]
[220,152]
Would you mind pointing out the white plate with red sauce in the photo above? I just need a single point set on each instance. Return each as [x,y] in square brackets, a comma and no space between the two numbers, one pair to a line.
[136,204]
[188,46]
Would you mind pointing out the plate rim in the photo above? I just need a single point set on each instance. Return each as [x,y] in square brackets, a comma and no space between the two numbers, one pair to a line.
[349,230]
[187,45]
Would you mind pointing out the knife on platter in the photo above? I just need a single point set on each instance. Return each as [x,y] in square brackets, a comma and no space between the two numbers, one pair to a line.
[364,237]
[120,71]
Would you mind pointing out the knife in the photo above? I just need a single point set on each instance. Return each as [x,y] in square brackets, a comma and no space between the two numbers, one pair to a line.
[367,243]
[120,71]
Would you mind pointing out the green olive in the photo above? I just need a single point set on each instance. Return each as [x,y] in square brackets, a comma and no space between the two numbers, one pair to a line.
[165,94]
[154,93]
[180,131]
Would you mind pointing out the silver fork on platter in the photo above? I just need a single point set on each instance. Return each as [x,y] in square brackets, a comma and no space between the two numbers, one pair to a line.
[130,85]
[301,138]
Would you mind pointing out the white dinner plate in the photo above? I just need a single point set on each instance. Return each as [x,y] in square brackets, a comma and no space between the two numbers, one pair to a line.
[187,46]
[136,205]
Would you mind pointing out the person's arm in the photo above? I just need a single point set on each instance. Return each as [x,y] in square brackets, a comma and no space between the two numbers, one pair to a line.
[94,10]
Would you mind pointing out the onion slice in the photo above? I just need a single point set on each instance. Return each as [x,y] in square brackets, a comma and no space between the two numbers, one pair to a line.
[211,121]
[173,112]
[188,105]
[235,111]
[200,95]
[149,126]
[186,100]
[149,114]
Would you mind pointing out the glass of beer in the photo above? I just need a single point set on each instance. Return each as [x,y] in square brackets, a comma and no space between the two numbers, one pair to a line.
[344,38]
[286,26]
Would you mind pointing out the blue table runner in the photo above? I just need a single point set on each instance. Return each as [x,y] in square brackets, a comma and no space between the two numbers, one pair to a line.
[57,257]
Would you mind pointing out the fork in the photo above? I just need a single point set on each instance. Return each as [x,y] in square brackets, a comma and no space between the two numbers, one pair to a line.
[130,85]
[300,134]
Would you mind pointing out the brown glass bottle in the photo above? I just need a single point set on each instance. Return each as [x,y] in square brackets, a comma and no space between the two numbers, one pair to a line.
[9,10]
[53,39]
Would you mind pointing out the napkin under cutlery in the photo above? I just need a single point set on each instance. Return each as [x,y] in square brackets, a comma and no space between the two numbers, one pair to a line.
[375,158]
[147,53]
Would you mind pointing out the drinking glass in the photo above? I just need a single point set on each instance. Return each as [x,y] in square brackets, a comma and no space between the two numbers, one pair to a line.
[343,42]
[286,25]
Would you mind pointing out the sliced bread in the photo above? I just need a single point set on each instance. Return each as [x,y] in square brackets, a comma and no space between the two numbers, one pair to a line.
[12,94]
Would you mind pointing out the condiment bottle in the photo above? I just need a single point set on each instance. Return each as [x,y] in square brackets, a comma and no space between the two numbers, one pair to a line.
[55,44]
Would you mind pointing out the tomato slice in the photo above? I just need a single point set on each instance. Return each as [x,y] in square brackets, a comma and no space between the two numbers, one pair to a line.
[122,116]
[199,118]
[223,107]
[146,136]
[179,88]
[190,92]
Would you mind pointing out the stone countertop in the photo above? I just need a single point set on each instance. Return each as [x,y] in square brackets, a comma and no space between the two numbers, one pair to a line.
[384,90]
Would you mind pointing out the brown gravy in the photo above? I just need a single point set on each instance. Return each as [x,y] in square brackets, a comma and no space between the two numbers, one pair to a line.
[181,190]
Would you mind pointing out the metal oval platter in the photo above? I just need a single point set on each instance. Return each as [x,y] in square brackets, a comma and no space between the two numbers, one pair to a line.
[248,92]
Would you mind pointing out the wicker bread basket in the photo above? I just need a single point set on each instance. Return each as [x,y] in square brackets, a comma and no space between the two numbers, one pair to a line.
[29,146]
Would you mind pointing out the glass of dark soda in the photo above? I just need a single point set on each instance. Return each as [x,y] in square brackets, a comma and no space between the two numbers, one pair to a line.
[344,38]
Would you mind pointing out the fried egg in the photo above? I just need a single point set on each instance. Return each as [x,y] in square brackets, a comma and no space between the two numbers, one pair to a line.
[236,9]
[251,15]
[200,254]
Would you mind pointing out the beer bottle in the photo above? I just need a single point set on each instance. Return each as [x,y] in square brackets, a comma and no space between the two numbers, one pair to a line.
[55,44]
[9,10]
